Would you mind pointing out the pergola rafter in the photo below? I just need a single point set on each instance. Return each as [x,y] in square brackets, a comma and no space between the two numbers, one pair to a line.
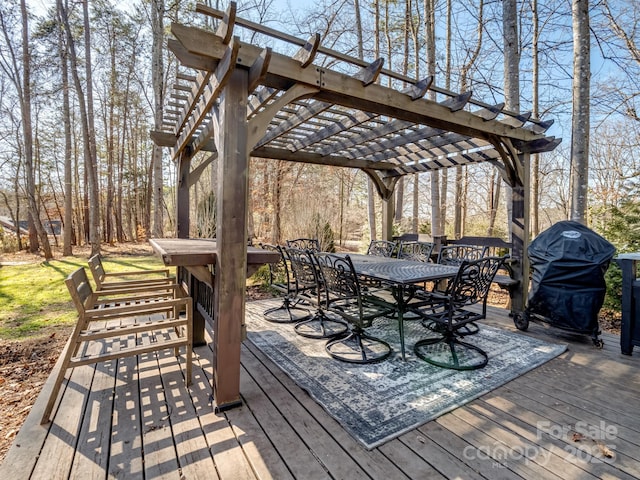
[238,100]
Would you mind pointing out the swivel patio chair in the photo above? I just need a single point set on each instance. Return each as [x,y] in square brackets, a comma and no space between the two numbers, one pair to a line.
[310,288]
[449,310]
[280,279]
[121,323]
[358,308]
[382,248]
[304,244]
[455,255]
[418,251]
[130,278]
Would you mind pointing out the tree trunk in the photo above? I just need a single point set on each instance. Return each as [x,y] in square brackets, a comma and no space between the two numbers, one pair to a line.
[580,114]
[535,158]
[67,233]
[512,74]
[25,104]
[157,78]
[430,47]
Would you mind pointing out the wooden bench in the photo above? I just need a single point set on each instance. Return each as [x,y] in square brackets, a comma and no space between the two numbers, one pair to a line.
[121,323]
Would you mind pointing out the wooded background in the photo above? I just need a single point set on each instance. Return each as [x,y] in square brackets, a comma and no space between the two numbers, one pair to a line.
[83,82]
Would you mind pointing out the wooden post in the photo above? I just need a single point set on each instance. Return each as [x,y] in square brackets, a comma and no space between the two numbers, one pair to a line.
[231,234]
[520,239]
[182,200]
[387,217]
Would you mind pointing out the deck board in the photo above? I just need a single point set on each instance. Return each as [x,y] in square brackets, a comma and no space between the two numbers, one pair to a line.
[135,418]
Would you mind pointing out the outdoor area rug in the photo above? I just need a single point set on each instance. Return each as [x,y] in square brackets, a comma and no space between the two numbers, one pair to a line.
[378,402]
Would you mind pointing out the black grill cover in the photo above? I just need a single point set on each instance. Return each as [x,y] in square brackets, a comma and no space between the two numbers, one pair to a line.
[568,263]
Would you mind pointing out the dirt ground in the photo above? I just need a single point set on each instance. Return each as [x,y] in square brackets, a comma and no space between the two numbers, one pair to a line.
[25,365]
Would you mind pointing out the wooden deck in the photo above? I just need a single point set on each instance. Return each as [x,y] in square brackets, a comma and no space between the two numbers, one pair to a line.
[136,419]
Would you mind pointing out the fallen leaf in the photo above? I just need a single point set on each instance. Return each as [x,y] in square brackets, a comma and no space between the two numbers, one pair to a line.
[577,436]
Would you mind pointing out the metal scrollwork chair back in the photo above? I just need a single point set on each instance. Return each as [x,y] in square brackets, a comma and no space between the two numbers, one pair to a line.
[304,244]
[382,248]
[358,309]
[418,251]
[309,287]
[456,254]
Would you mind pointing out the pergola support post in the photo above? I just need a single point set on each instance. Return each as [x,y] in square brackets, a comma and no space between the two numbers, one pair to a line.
[182,195]
[387,217]
[231,236]
[520,236]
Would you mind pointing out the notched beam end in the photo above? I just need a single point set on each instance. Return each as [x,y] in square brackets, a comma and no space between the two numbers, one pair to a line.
[489,113]
[308,52]
[225,29]
[419,89]
[458,102]
[259,69]
[370,73]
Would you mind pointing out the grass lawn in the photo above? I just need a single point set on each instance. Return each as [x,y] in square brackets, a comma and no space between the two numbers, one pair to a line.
[34,299]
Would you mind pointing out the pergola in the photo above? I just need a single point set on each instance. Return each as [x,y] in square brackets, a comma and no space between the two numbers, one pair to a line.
[238,100]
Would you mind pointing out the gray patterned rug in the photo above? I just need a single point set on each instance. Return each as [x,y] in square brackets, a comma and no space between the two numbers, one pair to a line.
[378,402]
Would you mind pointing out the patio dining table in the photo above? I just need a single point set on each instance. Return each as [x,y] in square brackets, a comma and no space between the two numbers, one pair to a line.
[403,278]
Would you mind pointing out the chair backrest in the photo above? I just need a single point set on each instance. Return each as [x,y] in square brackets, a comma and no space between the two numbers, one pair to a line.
[97,270]
[472,282]
[304,272]
[418,251]
[382,248]
[339,278]
[305,244]
[79,289]
[278,272]
[456,254]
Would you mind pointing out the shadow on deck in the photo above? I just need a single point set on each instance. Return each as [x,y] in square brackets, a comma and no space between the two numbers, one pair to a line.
[136,419]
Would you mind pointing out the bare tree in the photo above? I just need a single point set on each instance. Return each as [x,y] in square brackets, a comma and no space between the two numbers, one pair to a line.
[580,112]
[67,235]
[157,75]
[21,80]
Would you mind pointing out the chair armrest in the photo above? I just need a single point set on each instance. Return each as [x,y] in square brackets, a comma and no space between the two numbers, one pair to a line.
[164,271]
[137,308]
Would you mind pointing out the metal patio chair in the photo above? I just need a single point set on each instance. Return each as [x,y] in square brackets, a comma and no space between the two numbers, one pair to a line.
[418,251]
[304,244]
[456,254]
[310,288]
[449,311]
[382,248]
[358,308]
[280,279]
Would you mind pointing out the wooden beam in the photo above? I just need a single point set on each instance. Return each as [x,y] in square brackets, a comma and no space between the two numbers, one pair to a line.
[225,29]
[258,124]
[196,173]
[419,89]
[316,159]
[200,62]
[341,89]
[370,73]
[458,102]
[308,51]
[489,113]
[297,118]
[217,82]
[259,69]
[163,139]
